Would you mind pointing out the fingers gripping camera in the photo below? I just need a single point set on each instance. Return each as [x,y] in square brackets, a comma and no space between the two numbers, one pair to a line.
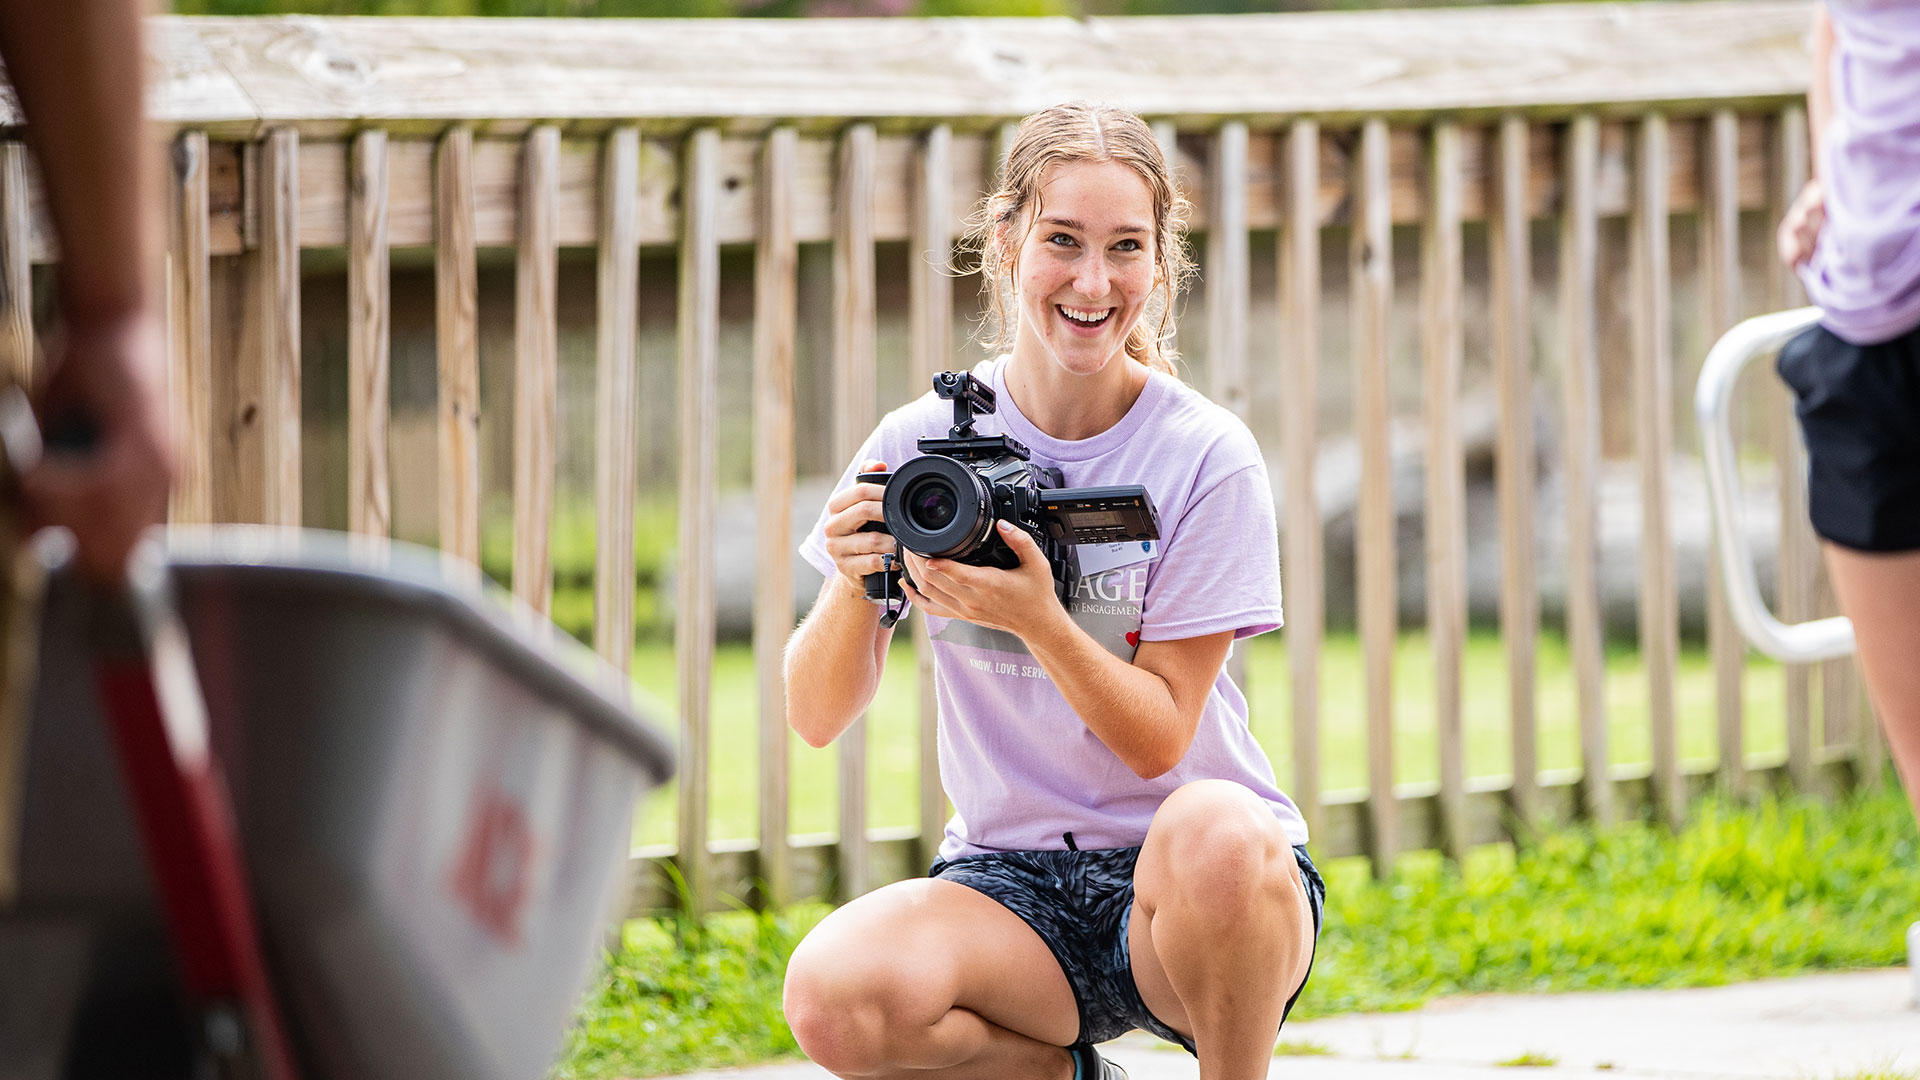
[945,504]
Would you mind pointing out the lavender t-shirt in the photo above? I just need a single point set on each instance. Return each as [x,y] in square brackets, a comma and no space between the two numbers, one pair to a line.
[1865,269]
[1018,763]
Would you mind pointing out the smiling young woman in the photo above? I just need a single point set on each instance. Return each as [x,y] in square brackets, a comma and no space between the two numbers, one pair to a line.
[1120,856]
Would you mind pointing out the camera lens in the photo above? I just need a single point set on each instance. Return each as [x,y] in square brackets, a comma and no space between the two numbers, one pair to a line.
[931,504]
[939,507]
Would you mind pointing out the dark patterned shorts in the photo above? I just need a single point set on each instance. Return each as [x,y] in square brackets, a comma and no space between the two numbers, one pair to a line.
[1079,902]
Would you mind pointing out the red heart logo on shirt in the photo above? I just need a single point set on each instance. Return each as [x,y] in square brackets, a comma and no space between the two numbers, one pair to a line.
[1133,638]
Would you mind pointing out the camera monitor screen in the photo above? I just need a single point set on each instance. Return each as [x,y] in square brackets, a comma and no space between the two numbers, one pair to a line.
[1100,515]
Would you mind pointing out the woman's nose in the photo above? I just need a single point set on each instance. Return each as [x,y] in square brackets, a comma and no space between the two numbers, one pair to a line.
[1090,278]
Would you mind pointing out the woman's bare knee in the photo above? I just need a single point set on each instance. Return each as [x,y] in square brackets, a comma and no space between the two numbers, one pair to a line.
[851,995]
[1215,840]
[838,1021]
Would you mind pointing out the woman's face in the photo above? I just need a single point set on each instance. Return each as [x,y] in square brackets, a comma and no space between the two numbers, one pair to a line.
[1086,264]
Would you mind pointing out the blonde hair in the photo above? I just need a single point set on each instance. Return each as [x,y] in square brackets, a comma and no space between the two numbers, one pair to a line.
[1069,133]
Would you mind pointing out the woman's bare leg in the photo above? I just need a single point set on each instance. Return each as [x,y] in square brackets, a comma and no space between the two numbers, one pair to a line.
[933,979]
[1881,594]
[1221,933]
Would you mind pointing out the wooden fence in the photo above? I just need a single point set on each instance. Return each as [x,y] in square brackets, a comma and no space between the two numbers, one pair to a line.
[295,134]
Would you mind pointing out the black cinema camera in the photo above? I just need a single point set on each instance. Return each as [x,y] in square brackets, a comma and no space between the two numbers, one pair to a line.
[944,505]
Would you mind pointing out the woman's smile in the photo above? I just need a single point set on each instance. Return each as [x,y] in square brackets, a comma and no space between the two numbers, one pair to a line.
[1083,320]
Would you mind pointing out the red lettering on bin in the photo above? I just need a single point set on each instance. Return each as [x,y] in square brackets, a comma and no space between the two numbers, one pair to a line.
[493,874]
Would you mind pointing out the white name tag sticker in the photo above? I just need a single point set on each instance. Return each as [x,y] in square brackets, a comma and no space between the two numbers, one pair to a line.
[1096,559]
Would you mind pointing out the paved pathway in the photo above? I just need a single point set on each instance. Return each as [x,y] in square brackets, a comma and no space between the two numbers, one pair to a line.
[1817,1027]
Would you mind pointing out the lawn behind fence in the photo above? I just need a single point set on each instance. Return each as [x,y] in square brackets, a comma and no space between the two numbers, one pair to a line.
[893,750]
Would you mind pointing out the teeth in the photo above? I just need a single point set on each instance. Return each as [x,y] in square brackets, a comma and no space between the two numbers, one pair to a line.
[1082,315]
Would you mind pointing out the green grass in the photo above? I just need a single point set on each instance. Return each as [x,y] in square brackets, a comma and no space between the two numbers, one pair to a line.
[1301,1048]
[893,747]
[1529,1060]
[1740,893]
[684,995]
[1783,886]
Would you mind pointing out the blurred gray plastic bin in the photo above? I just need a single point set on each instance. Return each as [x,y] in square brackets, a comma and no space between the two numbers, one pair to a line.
[434,792]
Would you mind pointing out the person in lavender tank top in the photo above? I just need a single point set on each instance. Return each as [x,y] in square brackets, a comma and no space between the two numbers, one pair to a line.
[1854,234]
[1120,856]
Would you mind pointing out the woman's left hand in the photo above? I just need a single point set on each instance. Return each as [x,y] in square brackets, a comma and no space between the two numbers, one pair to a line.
[1009,600]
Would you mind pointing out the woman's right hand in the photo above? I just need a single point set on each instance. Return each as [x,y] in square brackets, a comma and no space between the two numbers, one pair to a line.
[857,554]
[1800,229]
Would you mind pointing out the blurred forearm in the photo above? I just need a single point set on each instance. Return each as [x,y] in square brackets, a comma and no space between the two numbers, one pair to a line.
[79,69]
[1820,83]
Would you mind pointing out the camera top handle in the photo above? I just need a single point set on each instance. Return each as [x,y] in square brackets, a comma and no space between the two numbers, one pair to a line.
[970,398]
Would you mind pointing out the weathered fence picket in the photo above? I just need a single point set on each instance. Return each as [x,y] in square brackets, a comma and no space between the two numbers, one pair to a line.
[16,263]
[1651,274]
[1510,272]
[775,326]
[617,404]
[930,329]
[1580,417]
[1372,300]
[369,339]
[855,367]
[1442,284]
[1786,174]
[699,320]
[536,336]
[1303,595]
[190,372]
[278,361]
[1226,274]
[1720,309]
[457,345]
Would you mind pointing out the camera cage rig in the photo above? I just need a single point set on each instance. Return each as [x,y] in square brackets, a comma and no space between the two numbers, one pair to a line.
[1124,512]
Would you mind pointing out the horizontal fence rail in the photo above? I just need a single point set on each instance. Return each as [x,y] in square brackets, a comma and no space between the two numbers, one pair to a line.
[1563,143]
[236,77]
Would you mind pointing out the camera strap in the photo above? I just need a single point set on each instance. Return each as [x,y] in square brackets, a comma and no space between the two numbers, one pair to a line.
[889,613]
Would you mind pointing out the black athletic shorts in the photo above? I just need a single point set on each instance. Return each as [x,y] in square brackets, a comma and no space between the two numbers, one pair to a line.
[1859,407]
[1079,902]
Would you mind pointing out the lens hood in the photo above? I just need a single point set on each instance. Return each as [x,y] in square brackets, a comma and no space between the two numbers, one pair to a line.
[938,508]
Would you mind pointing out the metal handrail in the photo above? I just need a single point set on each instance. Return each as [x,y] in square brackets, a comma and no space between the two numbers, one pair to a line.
[1821,639]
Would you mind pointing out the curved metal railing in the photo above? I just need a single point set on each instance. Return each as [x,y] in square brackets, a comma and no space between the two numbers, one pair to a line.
[1821,639]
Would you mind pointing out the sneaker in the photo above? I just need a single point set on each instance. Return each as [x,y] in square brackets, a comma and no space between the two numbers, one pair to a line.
[1089,1065]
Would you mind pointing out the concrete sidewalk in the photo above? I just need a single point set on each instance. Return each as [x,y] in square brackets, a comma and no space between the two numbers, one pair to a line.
[1818,1027]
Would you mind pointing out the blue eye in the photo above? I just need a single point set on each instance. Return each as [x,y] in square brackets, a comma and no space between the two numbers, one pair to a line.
[1128,245]
[1059,238]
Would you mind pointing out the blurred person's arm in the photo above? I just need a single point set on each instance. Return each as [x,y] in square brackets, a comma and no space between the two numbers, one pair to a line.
[1820,85]
[78,68]
[1800,229]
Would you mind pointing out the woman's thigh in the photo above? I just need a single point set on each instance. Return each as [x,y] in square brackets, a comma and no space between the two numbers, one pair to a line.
[1216,839]
[903,955]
